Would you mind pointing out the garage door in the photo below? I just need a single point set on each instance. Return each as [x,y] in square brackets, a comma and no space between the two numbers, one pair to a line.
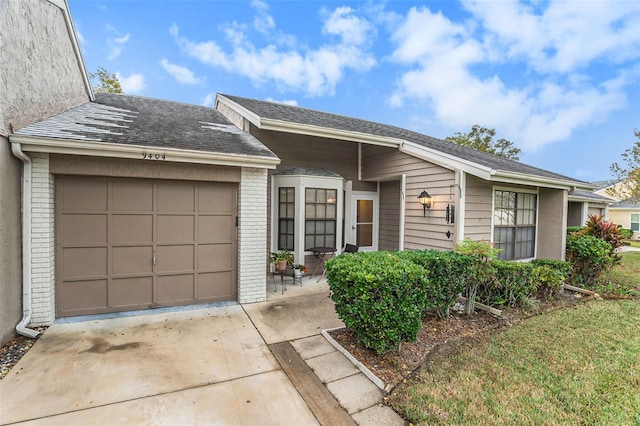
[136,244]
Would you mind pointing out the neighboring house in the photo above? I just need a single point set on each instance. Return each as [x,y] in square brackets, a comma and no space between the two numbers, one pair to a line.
[625,213]
[584,203]
[41,74]
[344,180]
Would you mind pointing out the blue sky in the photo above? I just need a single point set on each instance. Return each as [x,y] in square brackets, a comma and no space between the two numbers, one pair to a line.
[560,79]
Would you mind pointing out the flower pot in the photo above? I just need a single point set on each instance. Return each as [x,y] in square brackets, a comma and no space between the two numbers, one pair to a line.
[281,265]
[298,273]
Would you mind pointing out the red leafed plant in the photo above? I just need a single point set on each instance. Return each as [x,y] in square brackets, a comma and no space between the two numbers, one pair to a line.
[605,229]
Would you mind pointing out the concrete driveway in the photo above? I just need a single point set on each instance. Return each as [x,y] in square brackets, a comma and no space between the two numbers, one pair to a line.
[204,366]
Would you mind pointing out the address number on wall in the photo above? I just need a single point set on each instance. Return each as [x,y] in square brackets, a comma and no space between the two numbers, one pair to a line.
[153,156]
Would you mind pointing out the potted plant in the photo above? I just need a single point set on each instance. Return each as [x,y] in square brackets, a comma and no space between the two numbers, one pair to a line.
[299,270]
[281,259]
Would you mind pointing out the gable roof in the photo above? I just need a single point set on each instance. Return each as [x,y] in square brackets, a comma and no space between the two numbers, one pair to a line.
[282,117]
[627,205]
[124,126]
[590,196]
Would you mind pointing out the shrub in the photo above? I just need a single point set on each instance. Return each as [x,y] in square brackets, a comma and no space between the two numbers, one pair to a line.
[625,233]
[481,270]
[552,274]
[379,295]
[573,229]
[590,257]
[447,272]
[606,230]
[512,283]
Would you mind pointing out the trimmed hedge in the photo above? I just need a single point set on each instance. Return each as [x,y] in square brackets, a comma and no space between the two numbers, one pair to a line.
[382,296]
[379,295]
[448,273]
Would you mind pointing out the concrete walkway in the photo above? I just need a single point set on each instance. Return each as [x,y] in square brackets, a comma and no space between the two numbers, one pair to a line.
[220,364]
[298,317]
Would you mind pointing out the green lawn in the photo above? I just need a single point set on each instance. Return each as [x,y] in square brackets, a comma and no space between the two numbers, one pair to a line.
[624,279]
[579,365]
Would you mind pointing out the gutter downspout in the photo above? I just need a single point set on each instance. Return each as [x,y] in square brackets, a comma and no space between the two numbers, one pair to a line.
[21,328]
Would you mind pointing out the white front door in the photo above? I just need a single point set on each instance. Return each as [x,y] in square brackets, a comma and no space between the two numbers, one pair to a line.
[364,210]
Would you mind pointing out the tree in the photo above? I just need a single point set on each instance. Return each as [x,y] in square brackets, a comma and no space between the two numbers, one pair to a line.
[628,173]
[481,139]
[107,83]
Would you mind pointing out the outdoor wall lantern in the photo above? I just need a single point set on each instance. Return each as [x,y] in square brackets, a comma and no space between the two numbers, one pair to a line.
[425,200]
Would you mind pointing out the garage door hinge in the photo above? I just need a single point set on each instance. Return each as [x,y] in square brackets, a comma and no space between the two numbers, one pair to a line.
[236,221]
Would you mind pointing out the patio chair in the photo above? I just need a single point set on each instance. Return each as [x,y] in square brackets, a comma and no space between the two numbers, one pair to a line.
[350,248]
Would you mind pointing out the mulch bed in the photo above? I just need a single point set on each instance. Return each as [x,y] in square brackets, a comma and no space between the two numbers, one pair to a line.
[395,366]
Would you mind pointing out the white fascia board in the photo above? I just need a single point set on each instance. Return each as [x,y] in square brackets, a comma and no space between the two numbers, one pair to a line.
[446,160]
[102,149]
[247,114]
[326,132]
[590,200]
[64,6]
[524,179]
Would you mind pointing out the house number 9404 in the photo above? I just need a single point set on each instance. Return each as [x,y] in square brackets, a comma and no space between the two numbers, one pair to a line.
[153,156]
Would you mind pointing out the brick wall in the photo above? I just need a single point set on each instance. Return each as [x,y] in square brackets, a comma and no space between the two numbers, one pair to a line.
[42,242]
[252,236]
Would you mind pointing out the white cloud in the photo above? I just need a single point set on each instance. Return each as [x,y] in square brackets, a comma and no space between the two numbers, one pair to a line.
[565,36]
[543,103]
[344,23]
[263,21]
[291,102]
[182,74]
[133,83]
[209,100]
[116,43]
[81,38]
[281,61]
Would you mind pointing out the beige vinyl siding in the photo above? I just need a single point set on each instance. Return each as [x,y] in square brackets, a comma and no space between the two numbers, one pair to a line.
[389,229]
[319,153]
[479,196]
[313,152]
[380,163]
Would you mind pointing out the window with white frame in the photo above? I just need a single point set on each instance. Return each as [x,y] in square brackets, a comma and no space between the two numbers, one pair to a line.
[307,211]
[320,217]
[635,222]
[514,224]
[286,218]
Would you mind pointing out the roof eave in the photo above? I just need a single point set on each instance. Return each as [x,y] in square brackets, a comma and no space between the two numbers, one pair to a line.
[105,149]
[575,198]
[446,160]
[244,112]
[264,123]
[547,182]
[64,7]
[327,132]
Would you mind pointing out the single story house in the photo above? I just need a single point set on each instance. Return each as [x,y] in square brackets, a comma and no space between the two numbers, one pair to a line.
[372,175]
[139,203]
[134,203]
